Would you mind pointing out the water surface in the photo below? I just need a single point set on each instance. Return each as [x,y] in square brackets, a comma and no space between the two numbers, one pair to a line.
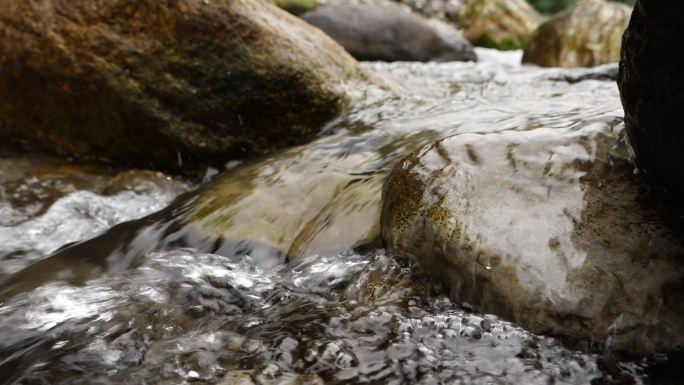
[318,301]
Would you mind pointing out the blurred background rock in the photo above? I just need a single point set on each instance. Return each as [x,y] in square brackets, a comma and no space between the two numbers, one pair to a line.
[548,7]
[552,33]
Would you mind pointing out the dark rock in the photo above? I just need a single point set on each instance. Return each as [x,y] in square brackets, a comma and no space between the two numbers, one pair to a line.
[652,89]
[390,32]
[173,85]
[586,35]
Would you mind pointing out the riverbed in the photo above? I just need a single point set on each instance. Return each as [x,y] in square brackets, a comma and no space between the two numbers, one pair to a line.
[224,286]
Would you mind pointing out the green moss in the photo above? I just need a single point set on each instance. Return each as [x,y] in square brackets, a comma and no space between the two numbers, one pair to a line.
[506,44]
[296,6]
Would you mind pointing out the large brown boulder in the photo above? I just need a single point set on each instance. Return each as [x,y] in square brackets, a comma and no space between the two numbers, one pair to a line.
[174,85]
[585,35]
[501,24]
[549,228]
[652,89]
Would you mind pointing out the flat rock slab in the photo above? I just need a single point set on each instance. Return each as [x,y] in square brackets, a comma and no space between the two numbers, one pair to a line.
[550,228]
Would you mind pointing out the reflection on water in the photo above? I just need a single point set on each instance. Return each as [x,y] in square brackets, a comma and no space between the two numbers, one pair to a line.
[252,278]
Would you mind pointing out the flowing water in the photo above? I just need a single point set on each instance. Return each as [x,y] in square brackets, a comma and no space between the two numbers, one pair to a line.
[273,272]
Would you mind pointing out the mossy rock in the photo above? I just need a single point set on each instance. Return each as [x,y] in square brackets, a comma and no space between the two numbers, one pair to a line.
[586,35]
[549,228]
[176,86]
[500,24]
[506,44]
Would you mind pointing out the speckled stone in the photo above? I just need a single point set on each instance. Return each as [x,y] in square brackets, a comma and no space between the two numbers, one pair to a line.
[549,228]
[176,86]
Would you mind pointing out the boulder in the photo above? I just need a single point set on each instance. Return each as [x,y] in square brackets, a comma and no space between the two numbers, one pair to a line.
[549,228]
[390,32]
[500,24]
[586,35]
[315,199]
[172,85]
[651,87]
[317,205]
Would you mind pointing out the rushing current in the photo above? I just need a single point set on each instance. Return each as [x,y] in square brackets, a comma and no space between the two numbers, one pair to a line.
[322,302]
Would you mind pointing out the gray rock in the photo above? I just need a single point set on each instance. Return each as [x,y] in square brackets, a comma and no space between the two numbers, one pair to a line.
[652,89]
[549,228]
[390,32]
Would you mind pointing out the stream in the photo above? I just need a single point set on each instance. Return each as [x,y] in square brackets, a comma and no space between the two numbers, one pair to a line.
[273,271]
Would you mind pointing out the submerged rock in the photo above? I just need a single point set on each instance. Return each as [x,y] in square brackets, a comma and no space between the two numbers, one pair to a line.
[390,32]
[47,202]
[651,87]
[550,228]
[172,85]
[30,182]
[500,24]
[606,72]
[272,374]
[586,35]
[303,201]
[296,210]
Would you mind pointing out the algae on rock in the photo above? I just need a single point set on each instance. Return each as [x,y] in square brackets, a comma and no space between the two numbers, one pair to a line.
[586,35]
[549,228]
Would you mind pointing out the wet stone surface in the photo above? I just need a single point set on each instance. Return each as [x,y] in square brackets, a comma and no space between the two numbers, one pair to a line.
[549,227]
